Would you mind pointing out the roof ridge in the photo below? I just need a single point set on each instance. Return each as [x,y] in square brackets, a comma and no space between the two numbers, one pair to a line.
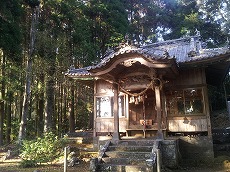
[170,41]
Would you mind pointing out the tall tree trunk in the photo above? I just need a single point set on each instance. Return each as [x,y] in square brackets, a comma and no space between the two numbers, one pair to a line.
[2,97]
[27,94]
[55,114]
[26,101]
[59,108]
[21,100]
[65,105]
[40,107]
[49,105]
[50,98]
[8,123]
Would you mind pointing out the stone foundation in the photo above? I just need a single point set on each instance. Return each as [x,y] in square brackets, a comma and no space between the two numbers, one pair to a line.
[196,150]
[170,153]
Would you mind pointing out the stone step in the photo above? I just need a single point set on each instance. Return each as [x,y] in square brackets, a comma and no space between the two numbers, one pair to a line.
[123,168]
[124,161]
[133,142]
[131,155]
[127,155]
[79,140]
[115,161]
[2,156]
[130,148]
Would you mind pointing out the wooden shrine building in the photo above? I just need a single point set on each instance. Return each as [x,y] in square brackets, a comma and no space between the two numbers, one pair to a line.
[157,90]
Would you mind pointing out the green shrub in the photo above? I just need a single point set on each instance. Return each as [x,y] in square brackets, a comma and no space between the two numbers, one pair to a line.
[28,163]
[41,150]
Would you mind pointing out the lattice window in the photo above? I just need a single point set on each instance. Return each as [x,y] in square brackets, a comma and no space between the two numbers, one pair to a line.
[185,102]
[104,106]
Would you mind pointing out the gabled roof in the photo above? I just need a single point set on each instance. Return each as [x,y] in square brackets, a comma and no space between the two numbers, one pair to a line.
[185,51]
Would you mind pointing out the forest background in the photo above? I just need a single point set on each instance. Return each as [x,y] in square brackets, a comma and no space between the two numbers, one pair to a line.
[40,40]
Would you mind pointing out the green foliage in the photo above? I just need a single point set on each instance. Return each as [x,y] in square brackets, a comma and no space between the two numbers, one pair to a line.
[216,11]
[28,163]
[33,3]
[31,129]
[108,19]
[216,97]
[84,106]
[15,128]
[41,150]
[10,30]
[83,113]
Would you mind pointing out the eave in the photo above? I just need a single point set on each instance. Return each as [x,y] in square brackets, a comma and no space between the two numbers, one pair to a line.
[216,68]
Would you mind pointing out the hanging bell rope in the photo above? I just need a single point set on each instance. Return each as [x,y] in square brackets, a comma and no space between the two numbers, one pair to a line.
[136,94]
[154,82]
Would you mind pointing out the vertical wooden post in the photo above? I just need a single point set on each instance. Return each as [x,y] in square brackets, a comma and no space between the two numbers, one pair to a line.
[116,135]
[205,92]
[158,106]
[158,160]
[65,159]
[71,109]
[206,104]
[95,110]
[144,126]
[164,110]
[127,109]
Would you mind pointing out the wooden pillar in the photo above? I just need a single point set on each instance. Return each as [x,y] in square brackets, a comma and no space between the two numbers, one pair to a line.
[95,111]
[116,135]
[206,104]
[158,107]
[164,112]
[205,92]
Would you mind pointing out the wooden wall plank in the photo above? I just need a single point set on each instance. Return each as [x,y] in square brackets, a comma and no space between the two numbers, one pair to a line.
[186,125]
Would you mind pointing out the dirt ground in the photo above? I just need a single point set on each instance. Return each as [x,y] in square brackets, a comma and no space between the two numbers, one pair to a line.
[12,165]
[202,169]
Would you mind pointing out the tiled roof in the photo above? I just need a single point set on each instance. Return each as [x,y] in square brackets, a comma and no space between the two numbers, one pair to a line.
[183,50]
[78,72]
[186,49]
